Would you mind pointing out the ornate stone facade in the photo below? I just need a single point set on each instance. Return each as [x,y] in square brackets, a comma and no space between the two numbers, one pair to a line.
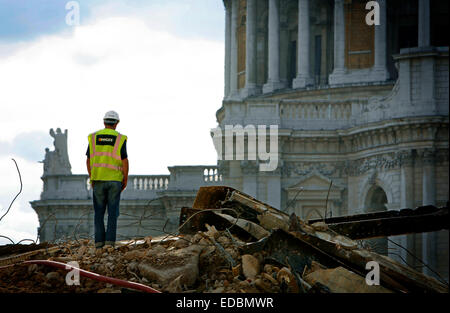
[363,119]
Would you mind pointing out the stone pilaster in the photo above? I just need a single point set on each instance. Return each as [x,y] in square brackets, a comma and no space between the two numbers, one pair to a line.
[250,178]
[273,187]
[429,239]
[429,188]
[407,200]
[407,179]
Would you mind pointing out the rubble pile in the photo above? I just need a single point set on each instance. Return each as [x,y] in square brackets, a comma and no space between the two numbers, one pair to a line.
[227,242]
[176,264]
[182,264]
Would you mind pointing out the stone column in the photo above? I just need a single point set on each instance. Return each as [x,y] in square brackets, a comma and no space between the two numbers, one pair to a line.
[429,239]
[424,23]
[227,47]
[234,49]
[339,42]
[250,53]
[303,78]
[273,82]
[380,70]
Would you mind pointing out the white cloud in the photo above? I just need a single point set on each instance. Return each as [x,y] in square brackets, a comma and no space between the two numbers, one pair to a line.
[186,18]
[165,88]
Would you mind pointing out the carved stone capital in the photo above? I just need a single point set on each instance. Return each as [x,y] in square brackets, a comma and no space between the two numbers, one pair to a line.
[406,158]
[428,157]
[373,177]
[442,156]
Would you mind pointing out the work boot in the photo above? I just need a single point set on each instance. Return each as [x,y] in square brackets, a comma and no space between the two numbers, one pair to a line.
[108,248]
[98,252]
[110,243]
[99,245]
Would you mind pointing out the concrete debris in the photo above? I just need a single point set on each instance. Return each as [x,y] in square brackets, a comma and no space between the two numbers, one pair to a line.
[179,264]
[340,280]
[243,245]
[52,277]
[252,228]
[175,285]
[212,232]
[250,266]
[285,277]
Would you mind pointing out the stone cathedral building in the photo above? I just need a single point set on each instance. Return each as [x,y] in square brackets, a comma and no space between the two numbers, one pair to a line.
[362,116]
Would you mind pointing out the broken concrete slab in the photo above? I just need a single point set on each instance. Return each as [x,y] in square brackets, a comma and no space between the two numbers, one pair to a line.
[163,268]
[341,280]
[250,266]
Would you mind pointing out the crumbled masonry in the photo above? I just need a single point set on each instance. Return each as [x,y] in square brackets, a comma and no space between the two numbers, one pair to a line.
[228,242]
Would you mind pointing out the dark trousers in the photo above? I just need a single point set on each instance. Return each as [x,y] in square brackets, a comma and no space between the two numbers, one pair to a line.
[106,194]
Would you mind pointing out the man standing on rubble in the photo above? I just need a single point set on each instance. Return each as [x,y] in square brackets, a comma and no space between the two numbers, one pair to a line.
[107,164]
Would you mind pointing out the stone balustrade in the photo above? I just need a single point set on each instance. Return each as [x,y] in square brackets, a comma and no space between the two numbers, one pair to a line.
[211,175]
[148,182]
[139,186]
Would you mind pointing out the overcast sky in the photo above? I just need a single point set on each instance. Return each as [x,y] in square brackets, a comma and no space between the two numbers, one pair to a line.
[158,63]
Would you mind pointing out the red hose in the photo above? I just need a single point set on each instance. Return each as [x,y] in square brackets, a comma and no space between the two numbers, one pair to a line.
[95,276]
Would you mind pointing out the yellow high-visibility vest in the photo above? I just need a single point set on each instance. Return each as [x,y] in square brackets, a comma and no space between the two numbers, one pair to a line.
[104,151]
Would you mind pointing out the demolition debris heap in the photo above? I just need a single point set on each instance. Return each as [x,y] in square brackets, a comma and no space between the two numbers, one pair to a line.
[227,242]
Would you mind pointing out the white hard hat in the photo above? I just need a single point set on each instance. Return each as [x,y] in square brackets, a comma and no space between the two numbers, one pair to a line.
[111,115]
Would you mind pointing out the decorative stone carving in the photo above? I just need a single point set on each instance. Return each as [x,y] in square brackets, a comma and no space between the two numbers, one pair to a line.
[373,177]
[56,162]
[379,162]
[306,168]
[442,156]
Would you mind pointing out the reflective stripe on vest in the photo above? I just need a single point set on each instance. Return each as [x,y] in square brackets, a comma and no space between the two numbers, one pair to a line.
[113,167]
[110,154]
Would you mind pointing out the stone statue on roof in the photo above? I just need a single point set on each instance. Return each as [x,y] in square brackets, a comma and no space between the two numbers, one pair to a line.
[57,162]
